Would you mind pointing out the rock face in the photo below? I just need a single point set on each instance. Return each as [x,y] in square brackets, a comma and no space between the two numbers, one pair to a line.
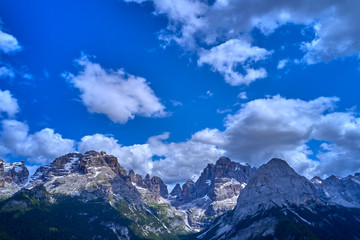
[13,176]
[275,184]
[229,200]
[14,172]
[96,175]
[153,188]
[278,203]
[343,191]
[2,173]
[75,173]
[214,193]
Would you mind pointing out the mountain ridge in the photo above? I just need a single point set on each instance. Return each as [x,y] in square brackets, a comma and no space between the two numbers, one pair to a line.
[227,199]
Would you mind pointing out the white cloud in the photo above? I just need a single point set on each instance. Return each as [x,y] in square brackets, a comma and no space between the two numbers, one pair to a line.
[279,127]
[242,95]
[6,72]
[222,111]
[260,130]
[8,43]
[264,127]
[210,136]
[184,20]
[41,147]
[180,161]
[176,103]
[119,95]
[197,25]
[8,104]
[137,1]
[226,57]
[282,63]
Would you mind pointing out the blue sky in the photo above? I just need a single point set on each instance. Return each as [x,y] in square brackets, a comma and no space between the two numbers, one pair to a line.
[169,86]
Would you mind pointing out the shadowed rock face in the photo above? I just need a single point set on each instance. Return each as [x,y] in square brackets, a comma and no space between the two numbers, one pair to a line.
[214,193]
[344,191]
[154,186]
[159,186]
[2,173]
[274,193]
[13,176]
[16,173]
[189,191]
[96,159]
[221,181]
[274,184]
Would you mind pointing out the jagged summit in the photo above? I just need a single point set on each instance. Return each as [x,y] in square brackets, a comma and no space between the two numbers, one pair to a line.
[13,176]
[215,191]
[278,203]
[275,184]
[344,191]
[259,198]
[74,172]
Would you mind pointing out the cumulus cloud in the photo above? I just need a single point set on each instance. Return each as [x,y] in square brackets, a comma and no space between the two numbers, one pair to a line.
[225,57]
[280,127]
[204,26]
[260,130]
[179,161]
[264,127]
[8,43]
[40,148]
[8,104]
[118,95]
[210,136]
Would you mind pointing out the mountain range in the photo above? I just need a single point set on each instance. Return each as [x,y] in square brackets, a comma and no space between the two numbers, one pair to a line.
[91,196]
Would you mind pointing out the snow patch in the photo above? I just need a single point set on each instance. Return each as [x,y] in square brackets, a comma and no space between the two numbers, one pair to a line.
[206,197]
[355,180]
[68,165]
[303,219]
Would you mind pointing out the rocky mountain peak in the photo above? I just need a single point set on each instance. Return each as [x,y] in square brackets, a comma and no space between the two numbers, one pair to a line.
[278,165]
[223,161]
[214,192]
[16,173]
[2,173]
[99,159]
[188,191]
[316,180]
[275,184]
[74,172]
[132,175]
[225,173]
[13,176]
[343,191]
[176,191]
[150,188]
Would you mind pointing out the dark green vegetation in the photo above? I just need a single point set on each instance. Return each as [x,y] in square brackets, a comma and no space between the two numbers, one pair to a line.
[30,215]
[35,214]
[322,222]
